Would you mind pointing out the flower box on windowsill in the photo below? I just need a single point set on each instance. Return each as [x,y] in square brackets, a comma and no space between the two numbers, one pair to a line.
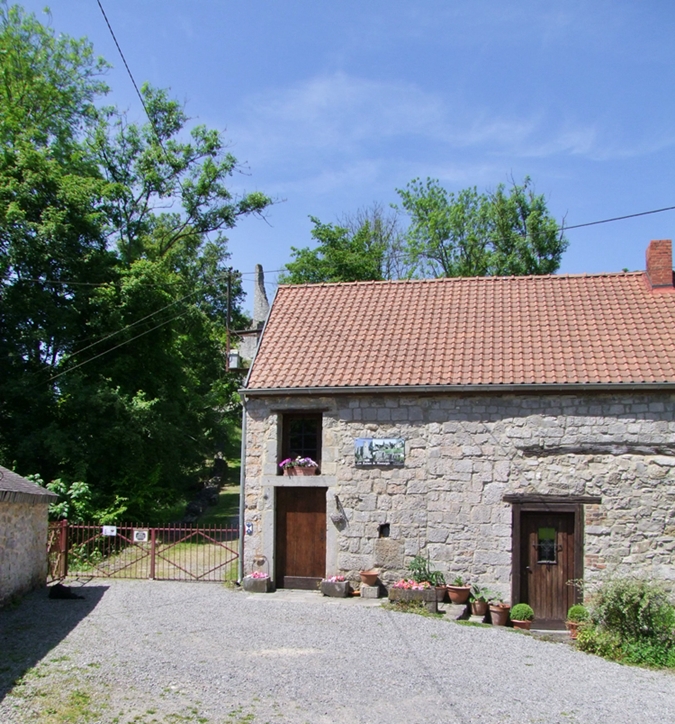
[257,585]
[300,471]
[299,466]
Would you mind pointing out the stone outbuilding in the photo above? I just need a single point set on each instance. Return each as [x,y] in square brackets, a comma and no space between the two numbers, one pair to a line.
[23,534]
[519,431]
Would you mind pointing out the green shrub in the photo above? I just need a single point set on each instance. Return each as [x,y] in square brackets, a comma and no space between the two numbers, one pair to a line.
[594,640]
[646,653]
[631,621]
[635,610]
[578,613]
[522,612]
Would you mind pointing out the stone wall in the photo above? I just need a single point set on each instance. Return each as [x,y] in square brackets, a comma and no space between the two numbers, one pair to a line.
[23,547]
[463,453]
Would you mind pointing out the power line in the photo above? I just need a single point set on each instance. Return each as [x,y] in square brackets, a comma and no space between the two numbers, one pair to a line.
[126,65]
[133,324]
[112,349]
[617,218]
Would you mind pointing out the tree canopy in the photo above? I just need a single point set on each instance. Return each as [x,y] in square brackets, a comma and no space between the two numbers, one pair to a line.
[363,246]
[505,232]
[113,279]
[471,234]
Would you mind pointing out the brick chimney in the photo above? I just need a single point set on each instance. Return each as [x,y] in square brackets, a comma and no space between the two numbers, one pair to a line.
[660,264]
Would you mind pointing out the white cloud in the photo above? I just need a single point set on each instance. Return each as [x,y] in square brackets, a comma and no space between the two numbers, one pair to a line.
[338,114]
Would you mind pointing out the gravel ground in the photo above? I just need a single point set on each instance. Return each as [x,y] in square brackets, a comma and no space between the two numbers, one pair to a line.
[150,652]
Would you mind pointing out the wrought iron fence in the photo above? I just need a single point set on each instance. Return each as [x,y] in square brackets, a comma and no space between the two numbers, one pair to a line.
[132,550]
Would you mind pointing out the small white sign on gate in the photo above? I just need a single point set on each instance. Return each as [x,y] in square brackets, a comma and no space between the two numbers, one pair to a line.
[109,530]
[141,536]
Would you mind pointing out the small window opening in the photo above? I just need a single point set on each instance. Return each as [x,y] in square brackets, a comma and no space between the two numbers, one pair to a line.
[383,530]
[301,437]
[546,545]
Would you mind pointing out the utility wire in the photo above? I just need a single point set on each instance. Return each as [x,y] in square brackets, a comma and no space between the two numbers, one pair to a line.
[133,324]
[112,349]
[617,218]
[126,65]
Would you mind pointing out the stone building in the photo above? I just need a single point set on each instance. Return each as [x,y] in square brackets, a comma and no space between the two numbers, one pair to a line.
[517,430]
[23,534]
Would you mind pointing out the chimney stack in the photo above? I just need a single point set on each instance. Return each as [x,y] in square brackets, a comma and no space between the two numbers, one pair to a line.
[660,264]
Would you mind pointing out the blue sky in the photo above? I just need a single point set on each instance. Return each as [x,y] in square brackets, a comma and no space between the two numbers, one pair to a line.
[332,106]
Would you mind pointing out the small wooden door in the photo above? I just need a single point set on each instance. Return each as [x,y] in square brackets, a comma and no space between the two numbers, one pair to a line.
[300,551]
[547,566]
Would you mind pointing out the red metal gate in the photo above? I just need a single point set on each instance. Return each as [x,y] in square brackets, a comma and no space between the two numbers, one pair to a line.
[169,553]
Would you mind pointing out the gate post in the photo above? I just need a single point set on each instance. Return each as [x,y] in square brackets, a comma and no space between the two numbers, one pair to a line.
[152,553]
[63,549]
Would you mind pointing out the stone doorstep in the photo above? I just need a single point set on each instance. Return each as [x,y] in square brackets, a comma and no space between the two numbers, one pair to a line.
[456,611]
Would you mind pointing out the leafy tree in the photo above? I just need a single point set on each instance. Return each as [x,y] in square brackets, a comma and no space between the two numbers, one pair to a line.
[340,256]
[385,230]
[473,234]
[364,246]
[113,280]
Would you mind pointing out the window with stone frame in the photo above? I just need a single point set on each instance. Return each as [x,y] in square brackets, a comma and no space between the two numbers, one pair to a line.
[301,436]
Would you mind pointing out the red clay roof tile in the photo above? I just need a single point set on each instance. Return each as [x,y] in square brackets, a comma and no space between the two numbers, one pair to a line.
[608,328]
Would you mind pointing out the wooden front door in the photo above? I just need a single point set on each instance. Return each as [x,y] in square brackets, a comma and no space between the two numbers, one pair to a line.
[547,565]
[300,550]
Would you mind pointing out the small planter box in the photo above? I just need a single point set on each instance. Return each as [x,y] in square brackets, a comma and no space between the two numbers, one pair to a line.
[296,470]
[335,589]
[257,585]
[427,596]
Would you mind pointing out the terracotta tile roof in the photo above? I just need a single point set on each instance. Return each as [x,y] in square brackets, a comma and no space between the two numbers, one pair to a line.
[609,328]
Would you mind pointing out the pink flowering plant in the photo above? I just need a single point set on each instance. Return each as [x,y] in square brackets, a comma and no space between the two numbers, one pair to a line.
[335,579]
[298,462]
[258,574]
[409,584]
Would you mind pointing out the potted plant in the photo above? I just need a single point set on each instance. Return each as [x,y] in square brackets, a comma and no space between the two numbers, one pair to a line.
[479,600]
[576,615]
[459,591]
[437,580]
[499,611]
[336,587]
[369,578]
[299,466]
[407,590]
[257,582]
[521,616]
[420,568]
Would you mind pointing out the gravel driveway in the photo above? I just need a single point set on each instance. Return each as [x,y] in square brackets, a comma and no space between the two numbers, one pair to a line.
[144,652]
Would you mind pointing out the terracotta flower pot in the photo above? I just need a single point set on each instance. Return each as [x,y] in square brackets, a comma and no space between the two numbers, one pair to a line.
[499,614]
[369,577]
[479,608]
[296,470]
[572,627]
[524,625]
[459,594]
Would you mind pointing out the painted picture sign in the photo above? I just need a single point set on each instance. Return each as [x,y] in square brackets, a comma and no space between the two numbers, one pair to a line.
[382,451]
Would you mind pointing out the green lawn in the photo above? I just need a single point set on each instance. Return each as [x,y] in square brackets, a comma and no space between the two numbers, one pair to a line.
[227,508]
[228,502]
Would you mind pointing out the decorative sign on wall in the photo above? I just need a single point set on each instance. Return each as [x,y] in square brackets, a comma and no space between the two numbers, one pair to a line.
[383,451]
